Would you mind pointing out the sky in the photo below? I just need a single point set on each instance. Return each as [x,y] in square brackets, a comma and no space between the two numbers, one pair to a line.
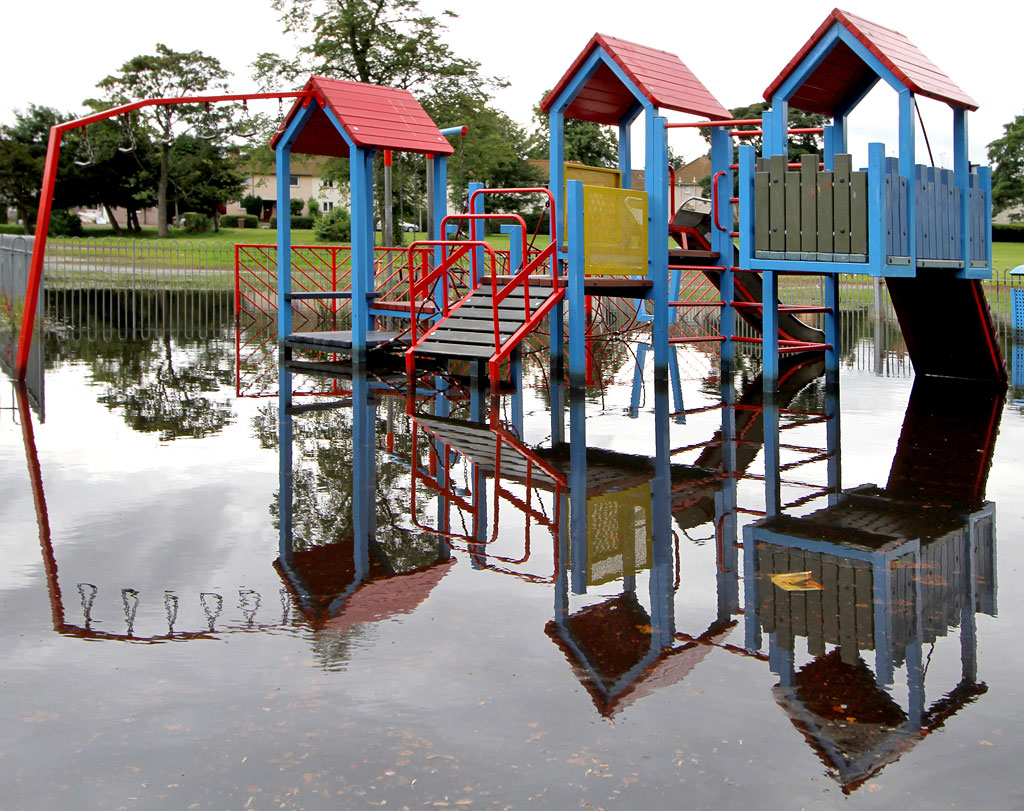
[736,50]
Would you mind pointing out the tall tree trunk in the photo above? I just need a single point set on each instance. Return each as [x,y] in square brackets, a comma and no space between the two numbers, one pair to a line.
[27,227]
[113,221]
[133,221]
[161,190]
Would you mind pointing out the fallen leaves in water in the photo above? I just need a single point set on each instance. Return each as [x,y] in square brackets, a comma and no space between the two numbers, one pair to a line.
[796,581]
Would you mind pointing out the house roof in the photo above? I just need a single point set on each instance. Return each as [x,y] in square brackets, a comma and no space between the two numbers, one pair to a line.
[659,75]
[374,117]
[842,73]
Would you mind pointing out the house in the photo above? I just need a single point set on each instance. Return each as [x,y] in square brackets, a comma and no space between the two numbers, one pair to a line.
[306,180]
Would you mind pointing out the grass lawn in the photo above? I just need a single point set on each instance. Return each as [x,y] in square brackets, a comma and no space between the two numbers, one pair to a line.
[1007,255]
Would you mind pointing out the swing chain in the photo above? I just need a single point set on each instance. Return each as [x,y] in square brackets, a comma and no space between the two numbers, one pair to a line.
[130,599]
[212,604]
[206,130]
[84,155]
[246,126]
[249,603]
[87,593]
[127,141]
[171,607]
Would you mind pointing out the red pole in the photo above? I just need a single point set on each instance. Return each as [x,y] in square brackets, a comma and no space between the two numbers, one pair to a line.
[35,272]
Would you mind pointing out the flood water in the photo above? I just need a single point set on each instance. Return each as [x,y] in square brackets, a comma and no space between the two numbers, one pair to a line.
[317,601]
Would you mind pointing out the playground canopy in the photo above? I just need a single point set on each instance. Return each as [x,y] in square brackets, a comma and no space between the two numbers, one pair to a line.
[660,76]
[835,75]
[373,117]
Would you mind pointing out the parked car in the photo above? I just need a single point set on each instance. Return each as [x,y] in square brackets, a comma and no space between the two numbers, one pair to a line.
[408,226]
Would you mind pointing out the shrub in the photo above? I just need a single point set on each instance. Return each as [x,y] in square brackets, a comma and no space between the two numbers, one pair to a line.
[296,207]
[240,221]
[64,223]
[334,226]
[531,219]
[303,223]
[1008,232]
[252,204]
[313,207]
[195,223]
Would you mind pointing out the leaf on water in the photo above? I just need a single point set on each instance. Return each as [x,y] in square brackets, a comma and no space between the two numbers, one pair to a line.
[796,581]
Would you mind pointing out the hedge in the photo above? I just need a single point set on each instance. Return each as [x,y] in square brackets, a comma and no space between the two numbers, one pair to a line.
[1008,232]
[239,221]
[298,223]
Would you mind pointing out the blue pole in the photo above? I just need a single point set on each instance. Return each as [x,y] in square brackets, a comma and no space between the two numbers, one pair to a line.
[656,182]
[284,241]
[361,182]
[577,303]
[770,329]
[721,242]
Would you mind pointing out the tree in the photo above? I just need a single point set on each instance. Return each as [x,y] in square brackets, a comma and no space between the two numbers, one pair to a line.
[585,142]
[166,74]
[803,144]
[385,42]
[1006,154]
[203,178]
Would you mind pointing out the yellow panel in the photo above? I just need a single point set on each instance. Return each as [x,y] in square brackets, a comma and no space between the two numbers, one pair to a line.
[618,534]
[594,175]
[614,231]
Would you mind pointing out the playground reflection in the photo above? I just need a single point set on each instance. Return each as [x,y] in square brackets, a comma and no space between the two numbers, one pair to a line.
[842,591]
[888,570]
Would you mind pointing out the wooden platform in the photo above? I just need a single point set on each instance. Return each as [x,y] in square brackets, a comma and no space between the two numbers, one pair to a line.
[336,340]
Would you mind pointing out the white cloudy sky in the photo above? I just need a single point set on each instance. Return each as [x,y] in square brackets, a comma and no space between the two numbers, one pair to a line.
[62,48]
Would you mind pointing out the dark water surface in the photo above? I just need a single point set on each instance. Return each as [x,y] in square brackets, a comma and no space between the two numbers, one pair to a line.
[176,637]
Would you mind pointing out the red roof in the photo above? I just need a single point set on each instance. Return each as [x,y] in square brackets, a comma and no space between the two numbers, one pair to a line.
[659,75]
[374,117]
[842,72]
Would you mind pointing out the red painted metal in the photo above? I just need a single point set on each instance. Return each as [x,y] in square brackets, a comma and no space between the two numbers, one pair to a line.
[528,190]
[842,71]
[660,76]
[728,122]
[46,199]
[672,192]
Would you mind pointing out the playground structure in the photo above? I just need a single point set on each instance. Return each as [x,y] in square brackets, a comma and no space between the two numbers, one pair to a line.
[926,231]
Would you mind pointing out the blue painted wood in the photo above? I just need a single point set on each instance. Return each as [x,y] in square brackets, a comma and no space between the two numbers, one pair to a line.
[770,330]
[985,177]
[832,331]
[579,563]
[830,149]
[775,140]
[721,158]
[907,163]
[746,204]
[284,241]
[656,184]
[962,171]
[440,207]
[476,230]
[556,165]
[893,225]
[575,295]
[626,155]
[361,184]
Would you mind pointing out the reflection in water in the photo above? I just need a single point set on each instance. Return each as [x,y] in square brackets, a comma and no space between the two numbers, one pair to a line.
[890,570]
[843,592]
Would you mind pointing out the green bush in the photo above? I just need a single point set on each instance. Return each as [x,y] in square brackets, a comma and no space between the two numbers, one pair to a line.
[252,204]
[240,221]
[64,223]
[531,218]
[296,207]
[313,207]
[334,226]
[195,223]
[298,223]
[1011,232]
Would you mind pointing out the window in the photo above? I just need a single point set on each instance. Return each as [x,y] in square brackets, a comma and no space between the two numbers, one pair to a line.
[326,183]
[327,205]
[293,181]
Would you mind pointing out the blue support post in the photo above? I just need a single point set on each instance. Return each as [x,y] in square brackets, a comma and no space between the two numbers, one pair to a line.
[626,154]
[656,183]
[985,180]
[361,181]
[721,242]
[725,507]
[284,240]
[515,246]
[832,331]
[774,124]
[638,380]
[476,230]
[439,204]
[286,476]
[746,195]
[877,209]
[364,511]
[907,161]
[577,302]
[962,179]
[579,561]
[662,564]
[772,473]
[829,147]
[770,329]
[751,620]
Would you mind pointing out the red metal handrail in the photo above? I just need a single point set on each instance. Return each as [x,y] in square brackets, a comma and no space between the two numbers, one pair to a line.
[714,199]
